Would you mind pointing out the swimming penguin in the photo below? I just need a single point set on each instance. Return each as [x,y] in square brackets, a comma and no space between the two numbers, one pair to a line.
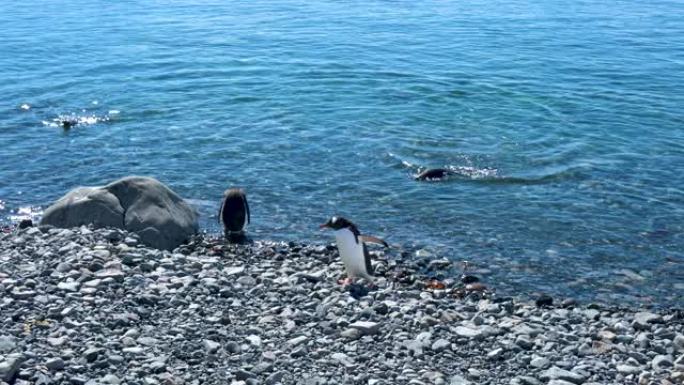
[433,174]
[234,214]
[352,247]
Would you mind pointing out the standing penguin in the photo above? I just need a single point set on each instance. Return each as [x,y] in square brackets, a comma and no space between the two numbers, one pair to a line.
[352,247]
[234,214]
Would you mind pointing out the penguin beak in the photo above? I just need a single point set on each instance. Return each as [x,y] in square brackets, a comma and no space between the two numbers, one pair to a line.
[323,226]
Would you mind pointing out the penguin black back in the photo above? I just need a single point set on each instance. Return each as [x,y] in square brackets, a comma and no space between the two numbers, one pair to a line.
[433,174]
[234,213]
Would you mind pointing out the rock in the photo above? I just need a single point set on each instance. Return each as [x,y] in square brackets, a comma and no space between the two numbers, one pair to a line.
[661,362]
[468,332]
[644,378]
[297,340]
[242,374]
[527,380]
[628,369]
[10,366]
[440,345]
[643,320]
[678,343]
[458,380]
[55,364]
[138,204]
[210,346]
[365,327]
[351,334]
[254,340]
[275,378]
[91,354]
[559,382]
[342,359]
[7,344]
[556,373]
[494,354]
[540,362]
[110,379]
[68,286]
[524,342]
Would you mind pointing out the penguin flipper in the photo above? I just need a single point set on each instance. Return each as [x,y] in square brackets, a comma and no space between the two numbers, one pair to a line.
[220,213]
[372,239]
[249,217]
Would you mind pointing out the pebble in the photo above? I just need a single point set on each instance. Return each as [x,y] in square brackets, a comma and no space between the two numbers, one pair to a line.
[440,345]
[365,327]
[9,366]
[55,364]
[540,362]
[661,362]
[628,369]
[273,313]
[468,332]
[210,346]
[556,373]
[7,344]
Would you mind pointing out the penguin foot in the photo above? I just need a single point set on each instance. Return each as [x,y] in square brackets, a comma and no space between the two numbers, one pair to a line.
[345,282]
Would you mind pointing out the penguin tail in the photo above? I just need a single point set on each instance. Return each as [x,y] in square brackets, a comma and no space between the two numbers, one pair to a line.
[372,239]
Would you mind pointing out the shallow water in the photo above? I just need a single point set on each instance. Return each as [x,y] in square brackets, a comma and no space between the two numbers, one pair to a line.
[562,120]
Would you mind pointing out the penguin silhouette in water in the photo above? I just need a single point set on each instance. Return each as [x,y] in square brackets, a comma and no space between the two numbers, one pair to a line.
[433,174]
[234,215]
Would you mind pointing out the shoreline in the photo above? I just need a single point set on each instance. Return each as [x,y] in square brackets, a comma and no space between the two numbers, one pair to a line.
[86,306]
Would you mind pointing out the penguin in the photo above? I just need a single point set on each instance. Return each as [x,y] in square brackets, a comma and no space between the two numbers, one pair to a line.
[433,174]
[352,248]
[234,214]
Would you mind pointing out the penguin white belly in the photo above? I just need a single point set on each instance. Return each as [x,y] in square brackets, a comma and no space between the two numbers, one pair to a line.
[352,254]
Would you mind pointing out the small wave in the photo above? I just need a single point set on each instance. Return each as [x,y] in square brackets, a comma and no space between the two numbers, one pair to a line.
[473,172]
[67,121]
[489,175]
[27,212]
[566,174]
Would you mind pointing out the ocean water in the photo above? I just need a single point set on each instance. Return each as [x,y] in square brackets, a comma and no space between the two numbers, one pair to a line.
[563,120]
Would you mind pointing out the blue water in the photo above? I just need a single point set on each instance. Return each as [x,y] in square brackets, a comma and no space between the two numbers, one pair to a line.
[564,120]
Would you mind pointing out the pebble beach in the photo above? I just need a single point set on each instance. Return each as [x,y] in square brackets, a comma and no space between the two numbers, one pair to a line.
[84,306]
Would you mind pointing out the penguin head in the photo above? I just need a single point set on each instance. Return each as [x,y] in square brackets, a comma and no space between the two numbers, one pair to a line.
[337,223]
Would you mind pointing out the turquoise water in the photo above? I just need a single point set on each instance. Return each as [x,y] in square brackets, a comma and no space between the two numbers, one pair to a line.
[563,119]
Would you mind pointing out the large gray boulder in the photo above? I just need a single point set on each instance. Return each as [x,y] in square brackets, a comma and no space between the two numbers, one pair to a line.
[141,205]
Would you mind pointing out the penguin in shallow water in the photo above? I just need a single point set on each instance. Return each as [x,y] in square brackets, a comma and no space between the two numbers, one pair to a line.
[352,247]
[234,214]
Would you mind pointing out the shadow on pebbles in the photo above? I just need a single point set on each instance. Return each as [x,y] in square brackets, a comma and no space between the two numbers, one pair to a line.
[87,306]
